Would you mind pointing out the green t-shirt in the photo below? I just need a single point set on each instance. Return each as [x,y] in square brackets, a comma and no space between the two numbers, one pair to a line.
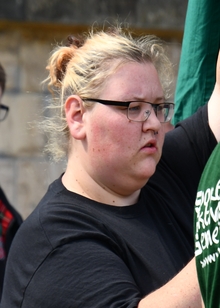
[207,231]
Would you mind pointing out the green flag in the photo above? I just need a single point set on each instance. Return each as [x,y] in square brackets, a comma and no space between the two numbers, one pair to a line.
[201,42]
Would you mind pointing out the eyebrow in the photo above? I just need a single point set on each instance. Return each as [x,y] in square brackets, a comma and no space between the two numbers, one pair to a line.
[158,99]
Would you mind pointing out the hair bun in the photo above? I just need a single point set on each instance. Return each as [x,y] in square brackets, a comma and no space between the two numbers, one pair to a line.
[72,40]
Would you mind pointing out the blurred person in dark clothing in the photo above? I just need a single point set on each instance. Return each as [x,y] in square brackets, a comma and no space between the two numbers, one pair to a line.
[10,219]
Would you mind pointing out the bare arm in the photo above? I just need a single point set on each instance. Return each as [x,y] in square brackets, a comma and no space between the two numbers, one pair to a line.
[214,104]
[180,292]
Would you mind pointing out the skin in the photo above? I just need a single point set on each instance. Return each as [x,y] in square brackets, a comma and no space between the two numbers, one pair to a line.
[112,157]
[214,104]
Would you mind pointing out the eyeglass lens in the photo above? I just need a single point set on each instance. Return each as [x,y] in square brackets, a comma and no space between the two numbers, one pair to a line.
[138,111]
[3,112]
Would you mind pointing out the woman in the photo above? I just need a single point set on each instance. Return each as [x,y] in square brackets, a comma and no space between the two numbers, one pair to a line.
[117,226]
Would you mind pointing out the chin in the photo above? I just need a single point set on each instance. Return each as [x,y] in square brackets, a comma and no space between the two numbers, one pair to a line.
[150,165]
[145,176]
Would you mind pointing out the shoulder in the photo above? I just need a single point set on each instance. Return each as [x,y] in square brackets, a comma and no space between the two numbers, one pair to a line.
[62,216]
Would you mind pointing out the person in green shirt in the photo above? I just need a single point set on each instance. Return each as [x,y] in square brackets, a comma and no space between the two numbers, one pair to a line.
[207,231]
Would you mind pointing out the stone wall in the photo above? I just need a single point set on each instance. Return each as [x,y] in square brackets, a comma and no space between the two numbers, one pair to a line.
[28,32]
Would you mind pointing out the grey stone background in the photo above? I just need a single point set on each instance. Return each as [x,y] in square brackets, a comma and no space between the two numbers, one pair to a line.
[141,13]
[29,29]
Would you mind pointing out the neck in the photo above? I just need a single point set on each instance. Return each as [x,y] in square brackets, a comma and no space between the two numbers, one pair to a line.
[77,180]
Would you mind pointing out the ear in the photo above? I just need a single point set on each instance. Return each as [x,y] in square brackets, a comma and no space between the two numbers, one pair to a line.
[74,116]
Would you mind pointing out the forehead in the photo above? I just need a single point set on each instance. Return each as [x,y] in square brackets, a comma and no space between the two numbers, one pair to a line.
[133,80]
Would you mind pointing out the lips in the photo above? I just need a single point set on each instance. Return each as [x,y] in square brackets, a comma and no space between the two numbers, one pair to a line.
[150,147]
[150,144]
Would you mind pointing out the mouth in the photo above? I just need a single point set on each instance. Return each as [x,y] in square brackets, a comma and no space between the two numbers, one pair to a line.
[151,144]
[150,147]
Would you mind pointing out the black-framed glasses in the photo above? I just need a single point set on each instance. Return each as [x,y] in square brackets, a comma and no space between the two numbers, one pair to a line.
[3,112]
[139,111]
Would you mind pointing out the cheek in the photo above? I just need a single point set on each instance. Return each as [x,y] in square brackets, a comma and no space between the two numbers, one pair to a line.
[113,138]
[108,135]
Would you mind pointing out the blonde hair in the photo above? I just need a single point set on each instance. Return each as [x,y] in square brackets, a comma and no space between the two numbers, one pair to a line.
[82,67]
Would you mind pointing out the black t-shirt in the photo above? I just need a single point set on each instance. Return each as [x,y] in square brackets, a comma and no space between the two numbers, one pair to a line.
[75,252]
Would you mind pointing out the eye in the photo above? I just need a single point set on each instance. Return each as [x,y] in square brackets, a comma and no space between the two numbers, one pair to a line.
[163,108]
[160,107]
[134,107]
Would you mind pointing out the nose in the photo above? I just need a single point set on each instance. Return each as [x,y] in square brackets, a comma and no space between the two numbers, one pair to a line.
[152,122]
